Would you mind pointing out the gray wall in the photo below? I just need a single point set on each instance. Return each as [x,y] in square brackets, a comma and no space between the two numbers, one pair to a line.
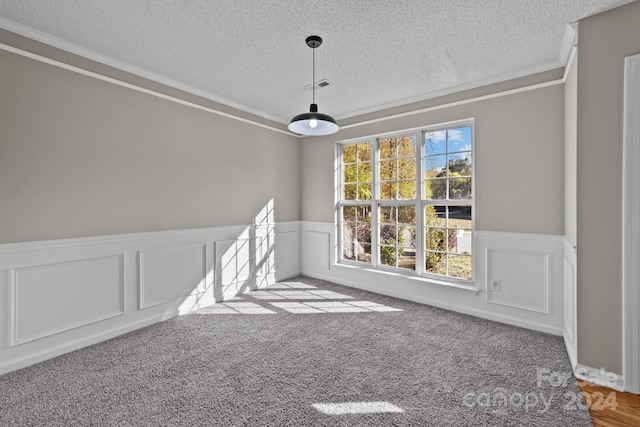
[604,41]
[84,157]
[519,157]
[570,153]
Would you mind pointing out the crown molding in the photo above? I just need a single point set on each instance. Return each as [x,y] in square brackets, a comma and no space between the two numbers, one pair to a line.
[569,42]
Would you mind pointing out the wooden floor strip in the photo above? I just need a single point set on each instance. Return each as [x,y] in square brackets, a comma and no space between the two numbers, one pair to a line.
[611,408]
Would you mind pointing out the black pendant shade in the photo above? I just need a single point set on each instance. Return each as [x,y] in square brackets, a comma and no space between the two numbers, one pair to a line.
[313,123]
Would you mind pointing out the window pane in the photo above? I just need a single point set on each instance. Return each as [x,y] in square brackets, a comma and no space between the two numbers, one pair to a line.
[459,188]
[364,152]
[459,266]
[388,234]
[436,263]
[348,153]
[348,231]
[406,214]
[408,237]
[435,239]
[460,164]
[350,192]
[435,189]
[452,240]
[407,258]
[348,249]
[435,142]
[348,213]
[460,216]
[349,173]
[407,146]
[364,232]
[388,148]
[407,169]
[406,190]
[387,214]
[388,255]
[435,216]
[356,251]
[364,213]
[388,170]
[364,254]
[365,192]
[435,166]
[459,139]
[388,190]
[460,241]
[348,240]
[364,172]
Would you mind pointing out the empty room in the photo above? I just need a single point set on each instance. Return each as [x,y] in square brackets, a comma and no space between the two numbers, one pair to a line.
[416,212]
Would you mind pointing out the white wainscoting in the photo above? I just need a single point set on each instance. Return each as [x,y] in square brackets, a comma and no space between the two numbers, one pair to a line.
[36,295]
[570,332]
[520,279]
[62,295]
[528,268]
[171,273]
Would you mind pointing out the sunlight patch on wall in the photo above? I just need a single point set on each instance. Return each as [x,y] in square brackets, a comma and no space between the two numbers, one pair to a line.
[247,261]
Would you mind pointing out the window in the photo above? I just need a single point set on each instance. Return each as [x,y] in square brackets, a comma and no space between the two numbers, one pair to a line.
[357,190]
[406,202]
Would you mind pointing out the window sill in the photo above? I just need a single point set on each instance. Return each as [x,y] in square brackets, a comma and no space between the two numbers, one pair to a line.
[440,284]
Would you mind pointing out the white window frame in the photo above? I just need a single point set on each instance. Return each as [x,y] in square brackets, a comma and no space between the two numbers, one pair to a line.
[419,203]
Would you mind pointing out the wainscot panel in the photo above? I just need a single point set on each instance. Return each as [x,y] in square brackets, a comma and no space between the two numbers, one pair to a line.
[171,273]
[40,295]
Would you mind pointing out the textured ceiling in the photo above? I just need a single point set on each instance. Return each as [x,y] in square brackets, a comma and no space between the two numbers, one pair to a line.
[251,54]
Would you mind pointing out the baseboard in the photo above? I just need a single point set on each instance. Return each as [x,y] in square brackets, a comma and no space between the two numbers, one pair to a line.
[67,347]
[600,377]
[290,274]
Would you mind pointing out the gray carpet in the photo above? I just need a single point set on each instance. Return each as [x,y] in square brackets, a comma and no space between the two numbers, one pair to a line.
[284,355]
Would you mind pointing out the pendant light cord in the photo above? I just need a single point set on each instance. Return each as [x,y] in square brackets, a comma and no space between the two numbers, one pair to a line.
[313,83]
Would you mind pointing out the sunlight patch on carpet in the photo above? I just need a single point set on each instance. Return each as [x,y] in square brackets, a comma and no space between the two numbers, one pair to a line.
[235,308]
[297,295]
[295,298]
[356,408]
[332,307]
[289,285]
[330,294]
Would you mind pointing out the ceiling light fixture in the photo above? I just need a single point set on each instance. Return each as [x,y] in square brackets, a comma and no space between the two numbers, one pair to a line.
[313,123]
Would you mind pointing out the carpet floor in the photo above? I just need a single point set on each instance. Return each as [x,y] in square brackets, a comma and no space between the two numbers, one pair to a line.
[305,352]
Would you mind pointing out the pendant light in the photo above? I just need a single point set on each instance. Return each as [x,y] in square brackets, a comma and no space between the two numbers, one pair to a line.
[313,123]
